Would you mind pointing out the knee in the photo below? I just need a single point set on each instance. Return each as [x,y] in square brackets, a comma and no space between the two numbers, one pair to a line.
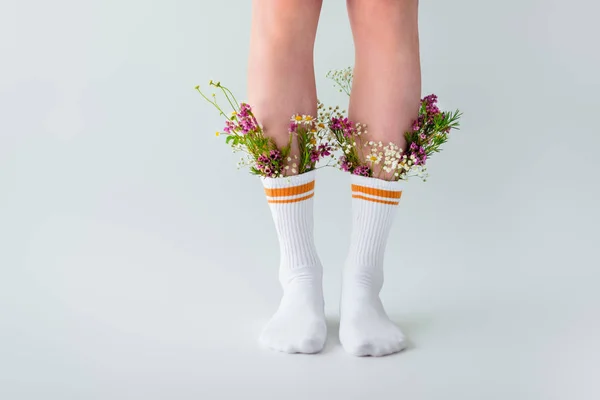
[286,23]
[378,10]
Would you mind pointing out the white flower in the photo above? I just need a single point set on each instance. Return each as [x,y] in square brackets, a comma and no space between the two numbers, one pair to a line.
[374,158]
[294,170]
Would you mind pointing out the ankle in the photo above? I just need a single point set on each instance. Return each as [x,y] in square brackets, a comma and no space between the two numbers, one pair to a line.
[362,281]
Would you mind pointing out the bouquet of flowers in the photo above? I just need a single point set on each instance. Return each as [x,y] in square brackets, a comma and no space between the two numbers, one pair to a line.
[332,132]
[373,159]
[244,134]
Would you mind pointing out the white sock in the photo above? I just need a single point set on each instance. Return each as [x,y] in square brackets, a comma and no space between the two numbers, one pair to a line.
[365,328]
[298,326]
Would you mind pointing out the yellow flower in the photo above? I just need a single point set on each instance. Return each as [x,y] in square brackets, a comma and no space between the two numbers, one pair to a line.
[298,118]
[321,125]
[217,134]
[308,118]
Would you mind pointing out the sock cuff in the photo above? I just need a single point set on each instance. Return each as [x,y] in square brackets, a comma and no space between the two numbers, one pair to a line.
[290,189]
[376,190]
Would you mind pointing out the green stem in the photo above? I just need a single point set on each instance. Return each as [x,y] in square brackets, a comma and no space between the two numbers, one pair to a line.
[234,99]
[214,103]
[227,97]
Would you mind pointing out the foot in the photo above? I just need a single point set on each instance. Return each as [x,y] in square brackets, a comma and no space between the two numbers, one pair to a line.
[365,328]
[299,325]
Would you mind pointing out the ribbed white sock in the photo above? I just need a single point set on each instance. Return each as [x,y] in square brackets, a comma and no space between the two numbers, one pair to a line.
[365,328]
[298,326]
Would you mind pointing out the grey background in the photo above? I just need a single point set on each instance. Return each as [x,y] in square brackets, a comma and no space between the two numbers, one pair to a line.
[136,262]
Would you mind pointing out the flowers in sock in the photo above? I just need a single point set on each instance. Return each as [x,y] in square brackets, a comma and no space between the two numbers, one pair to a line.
[261,154]
[331,135]
[364,157]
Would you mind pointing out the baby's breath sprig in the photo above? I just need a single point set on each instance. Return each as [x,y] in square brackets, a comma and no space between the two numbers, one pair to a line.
[342,79]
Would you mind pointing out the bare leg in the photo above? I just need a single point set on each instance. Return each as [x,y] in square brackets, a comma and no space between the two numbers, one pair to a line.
[385,96]
[387,74]
[281,83]
[281,77]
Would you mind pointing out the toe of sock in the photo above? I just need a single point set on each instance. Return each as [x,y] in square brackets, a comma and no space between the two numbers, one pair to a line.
[359,349]
[291,340]
[373,348]
[311,345]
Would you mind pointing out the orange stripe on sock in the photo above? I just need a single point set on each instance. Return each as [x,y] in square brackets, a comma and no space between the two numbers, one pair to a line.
[377,192]
[291,191]
[292,200]
[358,196]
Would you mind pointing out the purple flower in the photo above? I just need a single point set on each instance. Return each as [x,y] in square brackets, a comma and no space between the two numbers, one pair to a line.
[246,122]
[419,153]
[325,150]
[342,124]
[418,123]
[344,164]
[362,170]
[245,110]
[430,105]
[229,127]
[314,156]
[335,124]
[275,154]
